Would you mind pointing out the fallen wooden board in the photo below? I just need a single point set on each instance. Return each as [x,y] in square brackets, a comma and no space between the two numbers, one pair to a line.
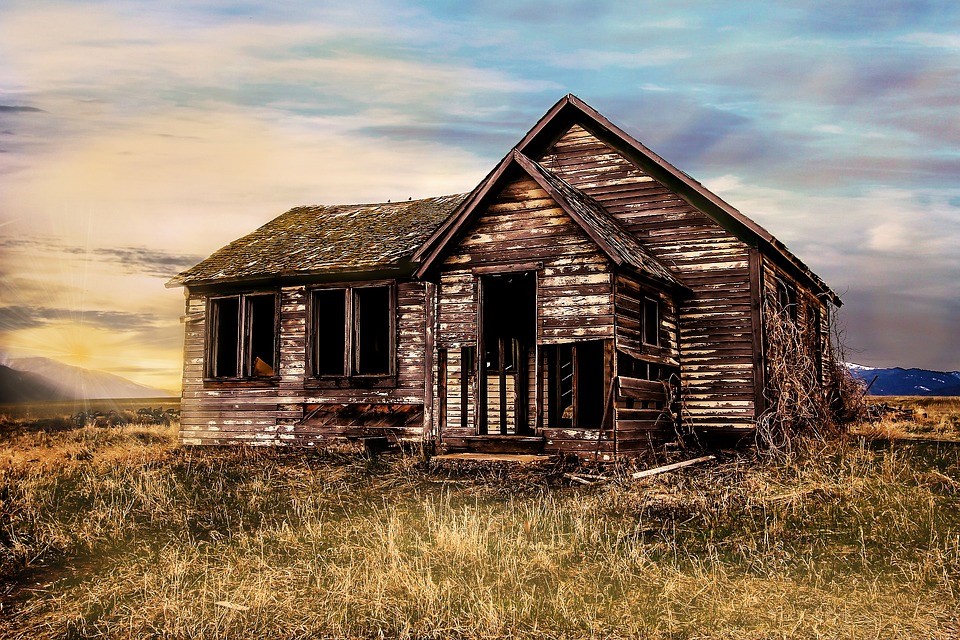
[670,467]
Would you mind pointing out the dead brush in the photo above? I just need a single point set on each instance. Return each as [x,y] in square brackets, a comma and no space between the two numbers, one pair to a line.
[802,409]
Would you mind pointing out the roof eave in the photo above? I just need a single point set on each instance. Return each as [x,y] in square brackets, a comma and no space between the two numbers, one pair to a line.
[392,270]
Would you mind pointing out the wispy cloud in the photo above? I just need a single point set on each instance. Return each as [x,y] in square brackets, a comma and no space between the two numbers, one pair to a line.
[938,40]
[16,317]
[136,137]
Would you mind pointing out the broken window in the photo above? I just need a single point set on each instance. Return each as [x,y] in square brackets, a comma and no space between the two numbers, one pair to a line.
[352,331]
[651,321]
[243,336]
[786,299]
[577,376]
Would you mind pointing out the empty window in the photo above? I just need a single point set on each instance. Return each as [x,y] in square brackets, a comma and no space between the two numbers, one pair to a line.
[371,336]
[651,321]
[243,336]
[352,331]
[576,379]
[786,299]
[330,341]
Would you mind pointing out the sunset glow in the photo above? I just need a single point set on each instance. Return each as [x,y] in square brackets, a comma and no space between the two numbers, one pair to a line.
[136,138]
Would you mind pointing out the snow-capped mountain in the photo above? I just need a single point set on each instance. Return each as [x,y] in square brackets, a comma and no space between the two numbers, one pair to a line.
[897,381]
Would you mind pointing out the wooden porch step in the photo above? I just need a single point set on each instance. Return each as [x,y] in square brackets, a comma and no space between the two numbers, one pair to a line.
[495,444]
[515,458]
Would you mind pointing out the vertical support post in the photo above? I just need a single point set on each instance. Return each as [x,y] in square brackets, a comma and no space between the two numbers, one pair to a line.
[467,363]
[480,363]
[502,378]
[539,381]
[441,414]
[431,385]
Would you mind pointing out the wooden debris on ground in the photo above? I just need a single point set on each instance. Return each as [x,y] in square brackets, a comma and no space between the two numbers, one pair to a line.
[646,473]
[880,410]
[590,479]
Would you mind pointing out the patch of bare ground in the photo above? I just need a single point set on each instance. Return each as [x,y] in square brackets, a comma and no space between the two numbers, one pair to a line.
[118,532]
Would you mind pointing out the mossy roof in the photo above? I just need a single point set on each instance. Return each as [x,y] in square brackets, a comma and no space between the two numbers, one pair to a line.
[323,239]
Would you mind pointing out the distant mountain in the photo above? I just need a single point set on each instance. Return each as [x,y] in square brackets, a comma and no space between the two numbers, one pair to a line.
[896,381]
[20,386]
[69,382]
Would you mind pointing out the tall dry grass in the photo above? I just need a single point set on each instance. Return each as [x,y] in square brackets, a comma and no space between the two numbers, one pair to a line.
[120,533]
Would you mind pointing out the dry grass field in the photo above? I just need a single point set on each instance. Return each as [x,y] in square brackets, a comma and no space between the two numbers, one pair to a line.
[932,417]
[117,532]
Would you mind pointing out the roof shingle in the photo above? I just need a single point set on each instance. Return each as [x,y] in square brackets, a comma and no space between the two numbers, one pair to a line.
[344,238]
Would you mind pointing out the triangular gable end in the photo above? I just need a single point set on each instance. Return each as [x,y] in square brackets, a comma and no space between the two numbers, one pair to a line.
[570,110]
[616,242]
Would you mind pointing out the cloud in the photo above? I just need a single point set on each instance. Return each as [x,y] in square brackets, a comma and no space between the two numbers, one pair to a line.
[6,108]
[596,59]
[16,317]
[937,40]
[169,130]
[130,259]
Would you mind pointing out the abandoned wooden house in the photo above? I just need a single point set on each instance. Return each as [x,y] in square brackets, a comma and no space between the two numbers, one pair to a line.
[585,297]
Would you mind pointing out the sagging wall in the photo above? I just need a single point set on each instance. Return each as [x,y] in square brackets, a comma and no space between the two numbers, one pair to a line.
[258,412]
[716,323]
[522,228]
[642,417]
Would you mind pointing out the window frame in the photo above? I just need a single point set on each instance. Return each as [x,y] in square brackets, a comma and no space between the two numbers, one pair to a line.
[244,339]
[352,338]
[643,312]
[788,302]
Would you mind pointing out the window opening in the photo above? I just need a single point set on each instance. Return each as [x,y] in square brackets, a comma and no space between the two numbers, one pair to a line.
[329,337]
[261,318]
[352,331]
[243,340]
[651,321]
[786,299]
[372,337]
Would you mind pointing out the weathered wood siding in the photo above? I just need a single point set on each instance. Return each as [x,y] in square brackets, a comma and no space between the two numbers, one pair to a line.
[629,295]
[225,414]
[221,415]
[715,350]
[522,225]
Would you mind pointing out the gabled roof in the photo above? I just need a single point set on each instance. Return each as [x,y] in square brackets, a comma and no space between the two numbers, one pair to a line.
[572,110]
[613,239]
[323,239]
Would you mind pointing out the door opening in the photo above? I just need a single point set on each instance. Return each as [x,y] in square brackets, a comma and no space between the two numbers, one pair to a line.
[508,330]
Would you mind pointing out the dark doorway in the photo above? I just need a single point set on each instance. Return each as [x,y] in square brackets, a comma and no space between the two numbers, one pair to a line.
[508,327]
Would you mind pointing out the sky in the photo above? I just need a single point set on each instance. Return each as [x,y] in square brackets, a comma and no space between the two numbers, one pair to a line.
[138,137]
